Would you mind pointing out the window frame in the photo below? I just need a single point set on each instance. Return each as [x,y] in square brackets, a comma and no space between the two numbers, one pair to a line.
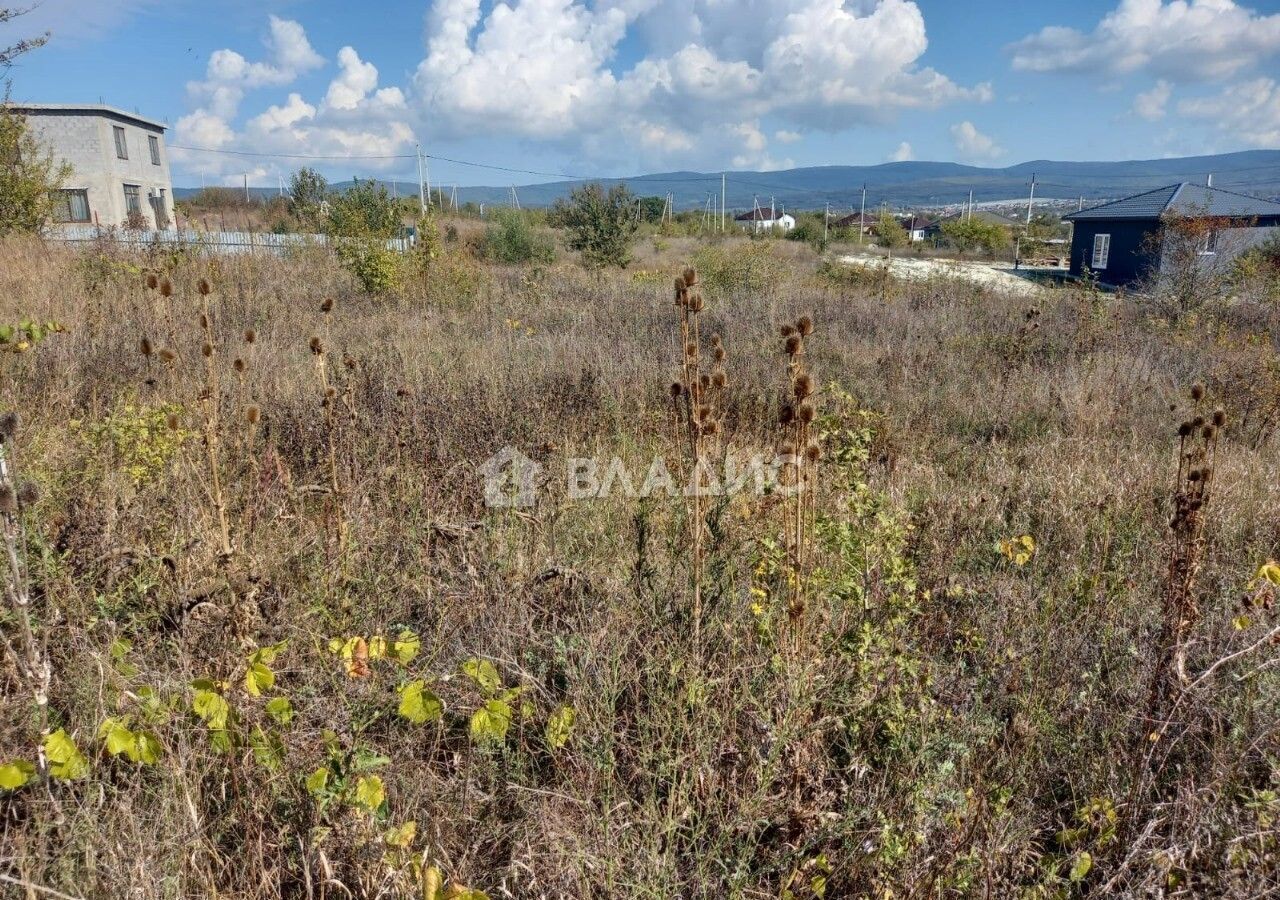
[122,141]
[64,195]
[1210,245]
[136,195]
[1101,251]
[153,144]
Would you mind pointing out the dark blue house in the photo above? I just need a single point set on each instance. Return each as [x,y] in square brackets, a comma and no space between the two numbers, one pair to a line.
[1121,243]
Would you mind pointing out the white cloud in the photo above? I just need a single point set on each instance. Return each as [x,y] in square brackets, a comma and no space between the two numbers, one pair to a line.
[783,136]
[1183,40]
[1245,113]
[973,145]
[904,153]
[353,83]
[1150,105]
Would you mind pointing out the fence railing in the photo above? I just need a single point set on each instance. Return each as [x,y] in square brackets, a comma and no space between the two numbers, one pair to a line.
[226,242]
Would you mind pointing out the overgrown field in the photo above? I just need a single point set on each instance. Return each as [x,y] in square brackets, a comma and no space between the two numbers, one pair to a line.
[1010,644]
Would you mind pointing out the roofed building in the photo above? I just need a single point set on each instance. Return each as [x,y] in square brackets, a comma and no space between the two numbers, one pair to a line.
[119,163]
[1123,242]
[760,219]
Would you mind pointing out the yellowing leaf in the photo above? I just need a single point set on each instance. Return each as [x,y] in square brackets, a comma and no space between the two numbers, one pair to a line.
[116,736]
[377,647]
[1080,868]
[258,678]
[490,722]
[65,759]
[356,652]
[483,673]
[406,647]
[370,792]
[212,708]
[280,709]
[560,727]
[14,775]
[317,781]
[402,836]
[419,705]
[1269,572]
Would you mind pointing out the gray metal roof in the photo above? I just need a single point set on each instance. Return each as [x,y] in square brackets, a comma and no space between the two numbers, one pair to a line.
[1180,199]
[92,109]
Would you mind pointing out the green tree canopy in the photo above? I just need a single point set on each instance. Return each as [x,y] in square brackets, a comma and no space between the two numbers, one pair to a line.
[601,224]
[29,175]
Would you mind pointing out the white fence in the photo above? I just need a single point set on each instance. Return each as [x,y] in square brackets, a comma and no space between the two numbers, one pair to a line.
[224,242]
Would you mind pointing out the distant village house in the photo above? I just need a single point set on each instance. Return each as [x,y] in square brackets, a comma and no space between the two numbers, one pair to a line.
[765,220]
[119,164]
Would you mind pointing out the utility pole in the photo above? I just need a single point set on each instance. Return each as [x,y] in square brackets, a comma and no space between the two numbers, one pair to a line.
[515,198]
[1031,198]
[455,198]
[1209,183]
[969,212]
[246,187]
[826,219]
[422,184]
[862,215]
[1081,206]
[723,204]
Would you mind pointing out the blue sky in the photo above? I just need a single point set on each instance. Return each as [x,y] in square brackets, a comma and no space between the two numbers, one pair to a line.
[629,86]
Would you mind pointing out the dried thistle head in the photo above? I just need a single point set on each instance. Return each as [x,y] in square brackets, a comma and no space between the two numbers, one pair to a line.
[206,350]
[1184,430]
[166,288]
[238,364]
[152,281]
[8,499]
[813,453]
[793,345]
[204,321]
[680,284]
[804,325]
[803,385]
[718,354]
[704,381]
[250,336]
[173,422]
[252,415]
[8,425]
[1197,392]
[787,330]
[203,287]
[720,380]
[676,389]
[1220,417]
[806,412]
[691,349]
[786,415]
[690,276]
[1209,432]
[326,305]
[167,355]
[695,302]
[145,346]
[711,427]
[317,346]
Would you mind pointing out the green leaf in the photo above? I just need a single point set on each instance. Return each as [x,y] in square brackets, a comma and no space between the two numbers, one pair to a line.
[267,751]
[406,647]
[419,705]
[212,708]
[1080,868]
[280,709]
[318,780]
[370,792]
[560,726]
[490,722]
[65,759]
[482,672]
[147,748]
[14,775]
[402,836]
[258,678]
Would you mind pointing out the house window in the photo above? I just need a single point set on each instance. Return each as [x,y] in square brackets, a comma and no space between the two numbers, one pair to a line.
[1101,250]
[122,147]
[71,206]
[1210,244]
[132,199]
[154,143]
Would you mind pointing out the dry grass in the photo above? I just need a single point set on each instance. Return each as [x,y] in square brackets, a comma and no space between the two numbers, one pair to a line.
[956,722]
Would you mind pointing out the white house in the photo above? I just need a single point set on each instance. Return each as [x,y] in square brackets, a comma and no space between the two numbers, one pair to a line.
[765,220]
[118,160]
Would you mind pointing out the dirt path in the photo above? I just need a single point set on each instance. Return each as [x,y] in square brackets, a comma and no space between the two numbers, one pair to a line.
[998,275]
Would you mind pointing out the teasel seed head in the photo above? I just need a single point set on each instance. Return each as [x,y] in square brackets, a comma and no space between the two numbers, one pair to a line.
[330,392]
[1197,422]
[203,287]
[691,349]
[28,493]
[173,422]
[718,354]
[166,288]
[1193,475]
[1220,417]
[813,453]
[1209,432]
[787,449]
[1206,473]
[152,281]
[695,302]
[1184,429]
[145,346]
[676,389]
[806,413]
[787,415]
[704,381]
[787,330]
[680,284]
[317,346]
[204,321]
[238,364]
[167,355]
[803,385]
[206,350]
[804,325]
[8,500]
[252,415]
[703,413]
[250,336]
[691,276]
[711,427]
[720,380]
[349,362]
[717,341]
[326,305]
[8,425]
[1197,392]
[792,345]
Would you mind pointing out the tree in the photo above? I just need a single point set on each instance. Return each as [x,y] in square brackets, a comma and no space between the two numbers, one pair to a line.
[601,225]
[24,45]
[29,176]
[308,190]
[652,208]
[889,231]
[365,210]
[970,234]
[509,238]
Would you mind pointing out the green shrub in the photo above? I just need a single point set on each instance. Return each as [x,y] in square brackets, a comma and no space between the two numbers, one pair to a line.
[377,268]
[601,224]
[750,265]
[510,238]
